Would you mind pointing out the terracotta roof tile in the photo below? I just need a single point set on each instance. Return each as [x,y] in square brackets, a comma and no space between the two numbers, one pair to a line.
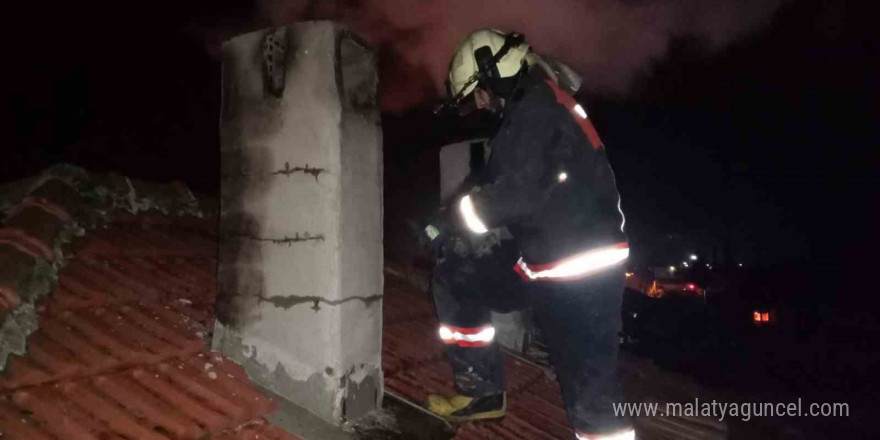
[180,283]
[94,340]
[20,240]
[134,240]
[118,353]
[256,430]
[181,398]
[33,228]
[48,206]
[14,424]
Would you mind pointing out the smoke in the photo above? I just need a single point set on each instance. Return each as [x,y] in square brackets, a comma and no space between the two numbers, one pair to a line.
[608,41]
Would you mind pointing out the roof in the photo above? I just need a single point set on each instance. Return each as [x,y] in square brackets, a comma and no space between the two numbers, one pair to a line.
[42,215]
[118,323]
[118,349]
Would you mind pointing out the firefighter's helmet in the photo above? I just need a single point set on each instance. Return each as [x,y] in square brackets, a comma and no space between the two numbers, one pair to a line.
[489,57]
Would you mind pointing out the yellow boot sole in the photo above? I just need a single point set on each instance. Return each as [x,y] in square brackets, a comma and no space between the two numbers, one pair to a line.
[497,414]
[444,407]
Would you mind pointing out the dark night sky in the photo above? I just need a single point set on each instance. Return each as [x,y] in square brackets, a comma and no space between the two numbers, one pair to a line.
[768,142]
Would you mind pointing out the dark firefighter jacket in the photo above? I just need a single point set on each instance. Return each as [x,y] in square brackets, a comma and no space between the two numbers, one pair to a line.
[549,180]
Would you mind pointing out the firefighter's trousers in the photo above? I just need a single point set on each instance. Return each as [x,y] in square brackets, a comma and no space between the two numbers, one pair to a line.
[579,319]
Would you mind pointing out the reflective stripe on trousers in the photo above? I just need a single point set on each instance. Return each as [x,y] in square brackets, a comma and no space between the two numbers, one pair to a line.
[627,434]
[467,336]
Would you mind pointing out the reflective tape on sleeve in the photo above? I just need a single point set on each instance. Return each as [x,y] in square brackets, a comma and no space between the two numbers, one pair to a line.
[469,214]
[467,336]
[576,266]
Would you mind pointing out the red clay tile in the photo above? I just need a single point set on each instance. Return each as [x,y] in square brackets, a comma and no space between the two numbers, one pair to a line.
[72,294]
[63,417]
[58,193]
[171,329]
[85,278]
[89,341]
[23,370]
[16,425]
[36,227]
[135,240]
[107,411]
[189,405]
[59,416]
[173,277]
[256,430]
[229,380]
[52,357]
[83,350]
[133,281]
[207,393]
[106,339]
[46,205]
[140,401]
[172,400]
[94,281]
[32,246]
[8,298]
[117,357]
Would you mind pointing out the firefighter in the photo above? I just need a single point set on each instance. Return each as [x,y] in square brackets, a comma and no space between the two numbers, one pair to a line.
[549,183]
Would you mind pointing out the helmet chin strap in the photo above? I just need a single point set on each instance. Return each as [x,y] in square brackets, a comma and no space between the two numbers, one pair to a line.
[456,100]
[510,41]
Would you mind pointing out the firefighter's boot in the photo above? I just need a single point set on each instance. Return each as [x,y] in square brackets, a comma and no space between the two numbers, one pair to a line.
[460,408]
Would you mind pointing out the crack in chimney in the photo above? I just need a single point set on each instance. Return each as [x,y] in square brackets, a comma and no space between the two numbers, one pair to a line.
[285,240]
[287,170]
[286,302]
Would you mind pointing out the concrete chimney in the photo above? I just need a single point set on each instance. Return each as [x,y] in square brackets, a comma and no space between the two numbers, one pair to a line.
[299,301]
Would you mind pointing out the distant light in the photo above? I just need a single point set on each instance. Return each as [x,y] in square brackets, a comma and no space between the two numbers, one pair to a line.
[765,317]
[563,176]
[740,265]
[707,265]
[629,274]
[691,286]
[580,111]
[756,316]
[693,257]
[685,264]
[672,268]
